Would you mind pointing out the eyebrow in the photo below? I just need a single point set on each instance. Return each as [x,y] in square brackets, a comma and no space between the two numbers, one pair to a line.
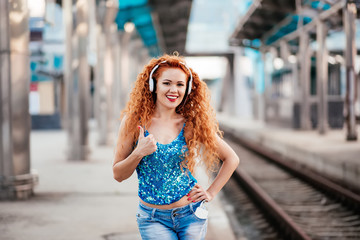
[169,80]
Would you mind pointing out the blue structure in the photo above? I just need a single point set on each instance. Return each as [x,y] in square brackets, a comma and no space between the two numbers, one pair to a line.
[139,13]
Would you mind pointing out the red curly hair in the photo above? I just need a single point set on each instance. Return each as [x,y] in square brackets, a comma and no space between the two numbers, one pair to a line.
[197,111]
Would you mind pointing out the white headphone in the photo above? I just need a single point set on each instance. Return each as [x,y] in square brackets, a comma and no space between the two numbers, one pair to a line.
[152,81]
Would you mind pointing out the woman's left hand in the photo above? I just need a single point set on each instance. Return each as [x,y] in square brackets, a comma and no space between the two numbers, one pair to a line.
[198,194]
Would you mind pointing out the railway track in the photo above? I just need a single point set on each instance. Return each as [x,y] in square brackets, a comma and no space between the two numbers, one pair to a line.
[298,203]
[247,220]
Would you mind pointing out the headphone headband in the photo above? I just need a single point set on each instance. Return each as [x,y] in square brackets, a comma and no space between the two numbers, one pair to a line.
[151,80]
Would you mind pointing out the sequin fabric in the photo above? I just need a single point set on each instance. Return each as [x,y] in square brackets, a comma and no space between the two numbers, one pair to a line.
[161,179]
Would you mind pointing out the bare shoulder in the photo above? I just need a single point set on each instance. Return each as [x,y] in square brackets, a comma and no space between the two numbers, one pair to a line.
[124,144]
[122,122]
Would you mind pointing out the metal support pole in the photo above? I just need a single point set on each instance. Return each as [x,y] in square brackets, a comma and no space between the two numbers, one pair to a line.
[227,84]
[77,78]
[117,76]
[109,78]
[284,55]
[284,51]
[322,76]
[258,89]
[230,93]
[265,94]
[272,101]
[82,32]
[304,74]
[350,53]
[92,53]
[125,67]
[68,73]
[16,179]
[135,46]
[237,89]
[83,94]
[242,102]
[6,166]
[108,57]
[100,90]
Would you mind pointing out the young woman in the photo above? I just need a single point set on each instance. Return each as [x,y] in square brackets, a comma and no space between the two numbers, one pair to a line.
[168,127]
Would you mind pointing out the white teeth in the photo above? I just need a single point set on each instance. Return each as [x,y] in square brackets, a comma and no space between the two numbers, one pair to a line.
[171,97]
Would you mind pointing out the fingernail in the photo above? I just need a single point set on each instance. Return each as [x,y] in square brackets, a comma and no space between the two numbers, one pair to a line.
[188,194]
[193,201]
[138,127]
[189,199]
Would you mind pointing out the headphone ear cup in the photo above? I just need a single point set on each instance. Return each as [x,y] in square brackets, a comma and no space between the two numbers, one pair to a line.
[189,87]
[151,85]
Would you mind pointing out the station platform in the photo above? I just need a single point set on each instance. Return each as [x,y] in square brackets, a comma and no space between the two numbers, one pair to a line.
[78,200]
[330,155]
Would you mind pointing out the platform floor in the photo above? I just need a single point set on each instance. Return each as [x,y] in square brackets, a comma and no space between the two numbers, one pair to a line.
[330,154]
[80,200]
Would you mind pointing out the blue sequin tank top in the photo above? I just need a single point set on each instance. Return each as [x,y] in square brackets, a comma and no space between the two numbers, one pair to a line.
[161,179]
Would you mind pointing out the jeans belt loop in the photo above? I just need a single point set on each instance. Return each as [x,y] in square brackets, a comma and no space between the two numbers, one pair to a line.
[153,213]
[191,207]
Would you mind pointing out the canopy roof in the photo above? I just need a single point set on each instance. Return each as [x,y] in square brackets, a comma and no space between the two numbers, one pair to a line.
[266,21]
[162,24]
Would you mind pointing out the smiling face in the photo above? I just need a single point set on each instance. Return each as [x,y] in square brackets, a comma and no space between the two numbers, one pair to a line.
[170,87]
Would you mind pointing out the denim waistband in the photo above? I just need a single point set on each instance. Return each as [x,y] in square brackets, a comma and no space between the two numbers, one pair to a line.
[180,210]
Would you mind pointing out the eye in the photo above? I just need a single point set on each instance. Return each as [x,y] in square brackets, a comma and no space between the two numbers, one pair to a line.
[181,84]
[166,83]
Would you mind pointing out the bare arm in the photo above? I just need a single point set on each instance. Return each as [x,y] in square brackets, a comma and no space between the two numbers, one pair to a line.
[126,159]
[230,162]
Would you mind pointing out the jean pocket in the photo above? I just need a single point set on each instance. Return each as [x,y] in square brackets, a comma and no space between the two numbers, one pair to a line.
[201,212]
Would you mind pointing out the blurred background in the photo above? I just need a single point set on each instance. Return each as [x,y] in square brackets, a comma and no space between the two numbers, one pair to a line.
[284,75]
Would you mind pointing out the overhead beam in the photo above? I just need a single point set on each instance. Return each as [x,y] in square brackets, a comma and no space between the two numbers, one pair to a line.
[311,25]
[245,18]
[172,18]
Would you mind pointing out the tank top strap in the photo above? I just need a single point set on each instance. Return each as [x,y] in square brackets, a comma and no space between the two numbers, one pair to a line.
[182,130]
[146,133]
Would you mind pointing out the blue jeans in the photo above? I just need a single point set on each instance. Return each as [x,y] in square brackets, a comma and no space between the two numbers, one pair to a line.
[172,224]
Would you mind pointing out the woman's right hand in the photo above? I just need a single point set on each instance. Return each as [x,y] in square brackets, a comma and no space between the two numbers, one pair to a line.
[146,145]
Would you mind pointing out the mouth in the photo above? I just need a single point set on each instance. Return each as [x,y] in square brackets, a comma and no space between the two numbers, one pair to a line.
[172,98]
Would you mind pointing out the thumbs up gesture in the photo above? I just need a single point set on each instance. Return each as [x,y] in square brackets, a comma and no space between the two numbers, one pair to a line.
[146,145]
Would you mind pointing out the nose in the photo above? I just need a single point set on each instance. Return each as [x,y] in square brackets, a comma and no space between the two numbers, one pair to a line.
[173,88]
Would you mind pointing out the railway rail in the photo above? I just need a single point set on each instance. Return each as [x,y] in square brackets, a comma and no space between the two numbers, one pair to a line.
[298,203]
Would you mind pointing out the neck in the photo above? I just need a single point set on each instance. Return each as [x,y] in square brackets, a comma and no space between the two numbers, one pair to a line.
[164,113]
